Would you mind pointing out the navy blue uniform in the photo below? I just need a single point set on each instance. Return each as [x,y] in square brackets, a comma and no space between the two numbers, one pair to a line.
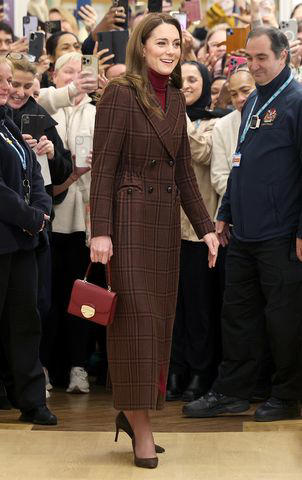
[20,222]
[264,195]
[263,201]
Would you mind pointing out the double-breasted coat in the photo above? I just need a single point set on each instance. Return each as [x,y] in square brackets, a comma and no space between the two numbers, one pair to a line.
[141,172]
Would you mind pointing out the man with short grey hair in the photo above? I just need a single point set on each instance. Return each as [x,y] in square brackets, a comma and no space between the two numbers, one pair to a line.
[263,202]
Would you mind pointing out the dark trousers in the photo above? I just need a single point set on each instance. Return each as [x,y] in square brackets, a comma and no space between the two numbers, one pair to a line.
[65,339]
[194,342]
[262,301]
[20,328]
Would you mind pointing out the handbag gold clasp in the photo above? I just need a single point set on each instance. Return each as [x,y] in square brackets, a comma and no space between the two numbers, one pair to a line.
[87,311]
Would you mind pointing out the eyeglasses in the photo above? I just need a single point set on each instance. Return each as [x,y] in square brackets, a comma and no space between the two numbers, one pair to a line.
[20,56]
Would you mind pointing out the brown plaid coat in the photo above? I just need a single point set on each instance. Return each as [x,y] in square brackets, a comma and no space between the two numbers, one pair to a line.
[141,171]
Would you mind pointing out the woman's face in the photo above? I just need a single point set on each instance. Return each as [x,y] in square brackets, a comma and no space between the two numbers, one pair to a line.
[215,91]
[35,91]
[241,84]
[192,83]
[67,44]
[214,47]
[5,82]
[21,88]
[162,49]
[67,73]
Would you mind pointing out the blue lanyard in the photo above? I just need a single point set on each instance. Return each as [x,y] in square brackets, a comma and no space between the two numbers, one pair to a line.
[19,150]
[248,122]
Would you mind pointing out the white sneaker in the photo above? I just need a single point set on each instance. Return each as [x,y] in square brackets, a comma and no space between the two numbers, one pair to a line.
[78,381]
[47,382]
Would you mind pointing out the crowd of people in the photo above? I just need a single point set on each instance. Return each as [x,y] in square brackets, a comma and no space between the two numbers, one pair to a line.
[190,187]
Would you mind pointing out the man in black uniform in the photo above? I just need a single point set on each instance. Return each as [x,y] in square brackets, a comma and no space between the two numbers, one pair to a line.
[263,202]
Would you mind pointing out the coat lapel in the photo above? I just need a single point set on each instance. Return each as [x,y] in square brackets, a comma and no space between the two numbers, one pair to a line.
[166,126]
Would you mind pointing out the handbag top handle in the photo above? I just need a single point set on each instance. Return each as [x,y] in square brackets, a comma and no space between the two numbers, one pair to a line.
[108,274]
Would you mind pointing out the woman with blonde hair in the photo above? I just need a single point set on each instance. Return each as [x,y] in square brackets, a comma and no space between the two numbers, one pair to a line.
[24,211]
[141,172]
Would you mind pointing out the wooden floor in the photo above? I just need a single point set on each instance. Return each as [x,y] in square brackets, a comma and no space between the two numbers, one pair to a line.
[93,412]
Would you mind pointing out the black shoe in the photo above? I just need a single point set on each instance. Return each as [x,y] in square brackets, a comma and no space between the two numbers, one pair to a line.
[194,390]
[39,416]
[260,397]
[5,403]
[213,404]
[174,390]
[277,409]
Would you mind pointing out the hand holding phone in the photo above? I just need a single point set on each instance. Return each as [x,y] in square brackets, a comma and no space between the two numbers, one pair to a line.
[36,45]
[125,5]
[83,147]
[90,63]
[33,125]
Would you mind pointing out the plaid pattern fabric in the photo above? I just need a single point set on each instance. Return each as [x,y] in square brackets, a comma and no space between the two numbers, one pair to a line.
[141,172]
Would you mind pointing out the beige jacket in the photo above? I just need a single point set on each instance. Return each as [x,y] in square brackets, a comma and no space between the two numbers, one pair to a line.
[52,99]
[225,136]
[200,138]
[72,214]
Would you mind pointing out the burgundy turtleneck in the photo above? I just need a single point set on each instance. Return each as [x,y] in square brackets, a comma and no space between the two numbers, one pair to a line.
[159,83]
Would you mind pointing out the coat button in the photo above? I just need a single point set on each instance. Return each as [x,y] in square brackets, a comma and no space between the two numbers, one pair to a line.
[153,163]
[169,189]
[129,190]
[171,163]
[150,189]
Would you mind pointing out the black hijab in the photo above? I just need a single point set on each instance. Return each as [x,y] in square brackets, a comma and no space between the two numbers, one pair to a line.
[197,110]
[200,110]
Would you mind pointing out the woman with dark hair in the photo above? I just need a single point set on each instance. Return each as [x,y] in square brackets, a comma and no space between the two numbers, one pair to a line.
[216,88]
[60,43]
[57,45]
[141,172]
[192,365]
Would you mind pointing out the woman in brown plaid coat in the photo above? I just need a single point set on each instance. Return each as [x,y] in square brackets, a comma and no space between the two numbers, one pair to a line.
[141,172]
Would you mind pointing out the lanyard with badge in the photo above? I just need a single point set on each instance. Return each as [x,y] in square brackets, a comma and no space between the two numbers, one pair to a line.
[253,122]
[22,156]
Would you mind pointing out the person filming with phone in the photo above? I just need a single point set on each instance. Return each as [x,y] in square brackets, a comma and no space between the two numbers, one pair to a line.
[24,212]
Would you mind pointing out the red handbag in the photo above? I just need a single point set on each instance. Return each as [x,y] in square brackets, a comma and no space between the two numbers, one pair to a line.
[92,302]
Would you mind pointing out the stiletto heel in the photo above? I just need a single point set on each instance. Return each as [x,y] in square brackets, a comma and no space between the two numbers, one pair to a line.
[116,434]
[122,423]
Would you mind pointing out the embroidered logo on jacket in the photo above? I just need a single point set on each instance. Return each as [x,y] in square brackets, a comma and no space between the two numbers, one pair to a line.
[270,116]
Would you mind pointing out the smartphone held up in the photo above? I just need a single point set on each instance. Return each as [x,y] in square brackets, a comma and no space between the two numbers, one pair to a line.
[83,147]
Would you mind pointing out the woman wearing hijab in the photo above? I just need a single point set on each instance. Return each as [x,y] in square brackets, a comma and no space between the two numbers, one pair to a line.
[192,364]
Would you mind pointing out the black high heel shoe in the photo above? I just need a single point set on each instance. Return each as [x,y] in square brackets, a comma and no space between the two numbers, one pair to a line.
[144,462]
[121,423]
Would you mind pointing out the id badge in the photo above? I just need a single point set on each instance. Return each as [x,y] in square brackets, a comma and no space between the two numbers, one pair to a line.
[236,159]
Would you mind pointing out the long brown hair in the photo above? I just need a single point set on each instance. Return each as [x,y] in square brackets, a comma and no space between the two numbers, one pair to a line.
[136,68]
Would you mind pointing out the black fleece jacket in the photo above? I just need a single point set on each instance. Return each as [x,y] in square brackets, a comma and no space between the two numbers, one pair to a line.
[15,214]
[264,195]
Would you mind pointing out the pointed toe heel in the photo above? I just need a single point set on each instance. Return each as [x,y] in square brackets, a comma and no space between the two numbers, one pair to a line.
[121,423]
[145,462]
